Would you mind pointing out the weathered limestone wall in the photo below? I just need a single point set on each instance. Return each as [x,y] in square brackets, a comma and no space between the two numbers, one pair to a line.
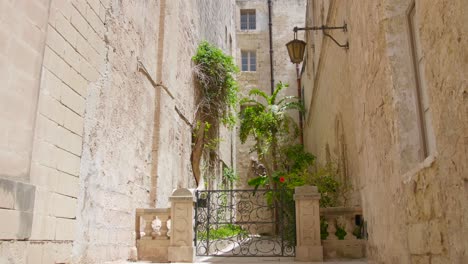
[139,136]
[361,113]
[80,115]
[116,162]
[62,58]
[186,23]
[286,14]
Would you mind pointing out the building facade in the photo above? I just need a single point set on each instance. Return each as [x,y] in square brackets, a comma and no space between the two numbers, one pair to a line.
[97,106]
[392,112]
[253,57]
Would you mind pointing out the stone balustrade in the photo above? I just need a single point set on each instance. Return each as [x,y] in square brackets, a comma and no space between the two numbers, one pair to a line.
[321,232]
[153,230]
[166,235]
[342,238]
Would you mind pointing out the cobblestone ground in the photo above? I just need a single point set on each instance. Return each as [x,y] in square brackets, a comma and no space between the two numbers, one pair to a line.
[264,260]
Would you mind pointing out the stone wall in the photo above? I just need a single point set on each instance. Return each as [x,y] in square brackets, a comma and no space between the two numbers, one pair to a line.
[55,57]
[96,120]
[286,14]
[362,113]
[185,26]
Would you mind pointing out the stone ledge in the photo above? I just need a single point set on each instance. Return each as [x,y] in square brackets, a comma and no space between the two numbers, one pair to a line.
[153,250]
[353,249]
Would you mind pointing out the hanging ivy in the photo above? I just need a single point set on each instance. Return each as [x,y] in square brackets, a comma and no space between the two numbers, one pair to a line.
[215,74]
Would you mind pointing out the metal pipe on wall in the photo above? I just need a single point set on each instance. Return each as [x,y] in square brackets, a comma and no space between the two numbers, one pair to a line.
[270,24]
[299,95]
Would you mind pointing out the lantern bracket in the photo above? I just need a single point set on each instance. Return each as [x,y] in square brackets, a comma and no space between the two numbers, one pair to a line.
[324,28]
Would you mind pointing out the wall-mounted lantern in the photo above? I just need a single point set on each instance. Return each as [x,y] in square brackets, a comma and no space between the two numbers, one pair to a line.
[296,47]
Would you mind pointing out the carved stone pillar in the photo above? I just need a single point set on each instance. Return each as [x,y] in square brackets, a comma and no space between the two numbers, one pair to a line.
[309,247]
[182,217]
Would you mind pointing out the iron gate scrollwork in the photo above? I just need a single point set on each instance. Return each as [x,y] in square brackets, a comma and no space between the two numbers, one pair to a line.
[245,223]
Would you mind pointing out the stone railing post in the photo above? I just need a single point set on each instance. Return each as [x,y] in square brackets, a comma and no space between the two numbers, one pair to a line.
[181,247]
[309,247]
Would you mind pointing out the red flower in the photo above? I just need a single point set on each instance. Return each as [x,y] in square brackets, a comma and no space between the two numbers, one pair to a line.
[282,179]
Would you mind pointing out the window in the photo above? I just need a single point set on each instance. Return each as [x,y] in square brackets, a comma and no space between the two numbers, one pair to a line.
[249,60]
[423,107]
[248,19]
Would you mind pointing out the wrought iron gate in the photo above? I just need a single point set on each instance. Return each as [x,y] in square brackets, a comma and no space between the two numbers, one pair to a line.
[245,223]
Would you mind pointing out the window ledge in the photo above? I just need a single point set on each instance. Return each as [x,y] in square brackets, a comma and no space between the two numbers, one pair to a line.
[252,31]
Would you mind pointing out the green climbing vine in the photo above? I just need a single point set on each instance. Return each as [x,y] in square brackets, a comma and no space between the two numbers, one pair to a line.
[218,97]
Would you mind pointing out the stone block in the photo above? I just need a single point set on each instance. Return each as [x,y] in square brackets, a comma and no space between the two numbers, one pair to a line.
[63,206]
[63,6]
[17,195]
[71,142]
[15,224]
[65,229]
[92,16]
[102,13]
[97,42]
[13,163]
[309,253]
[34,253]
[34,37]
[44,177]
[81,6]
[72,100]
[37,14]
[68,162]
[71,56]
[47,130]
[63,252]
[51,109]
[94,5]
[181,254]
[79,22]
[54,63]
[73,122]
[13,252]
[64,28]
[4,41]
[7,194]
[43,201]
[24,58]
[45,153]
[418,239]
[55,41]
[75,81]
[106,3]
[346,249]
[25,194]
[43,227]
[88,52]
[435,237]
[67,184]
[420,260]
[306,192]
[444,260]
[153,250]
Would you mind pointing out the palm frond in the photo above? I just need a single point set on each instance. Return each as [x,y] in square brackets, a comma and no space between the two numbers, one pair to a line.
[292,106]
[259,92]
[280,86]
[287,98]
